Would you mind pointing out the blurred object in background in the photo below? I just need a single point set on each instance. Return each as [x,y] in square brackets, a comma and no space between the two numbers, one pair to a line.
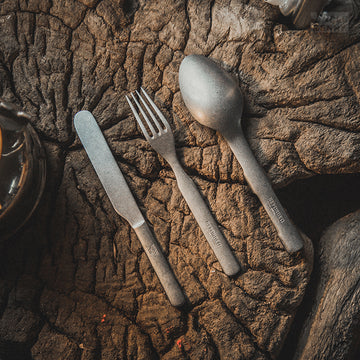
[303,12]
[338,16]
[327,15]
[287,7]
[22,169]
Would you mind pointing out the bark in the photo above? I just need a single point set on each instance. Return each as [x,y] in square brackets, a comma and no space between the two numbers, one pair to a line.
[75,282]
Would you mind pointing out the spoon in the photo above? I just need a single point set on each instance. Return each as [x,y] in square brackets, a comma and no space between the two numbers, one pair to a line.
[215,100]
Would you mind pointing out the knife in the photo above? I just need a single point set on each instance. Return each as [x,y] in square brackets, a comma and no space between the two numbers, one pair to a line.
[123,201]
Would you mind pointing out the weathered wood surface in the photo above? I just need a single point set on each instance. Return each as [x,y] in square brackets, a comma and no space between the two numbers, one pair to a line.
[77,261]
[329,331]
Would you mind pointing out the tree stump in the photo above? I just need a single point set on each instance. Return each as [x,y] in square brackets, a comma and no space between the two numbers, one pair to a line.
[75,282]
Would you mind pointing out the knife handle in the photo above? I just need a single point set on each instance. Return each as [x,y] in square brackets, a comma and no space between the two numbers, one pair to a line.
[160,265]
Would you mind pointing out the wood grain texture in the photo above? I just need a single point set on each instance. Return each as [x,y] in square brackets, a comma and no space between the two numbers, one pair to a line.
[75,283]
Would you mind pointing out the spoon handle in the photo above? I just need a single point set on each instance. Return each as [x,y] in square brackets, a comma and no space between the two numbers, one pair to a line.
[206,221]
[260,185]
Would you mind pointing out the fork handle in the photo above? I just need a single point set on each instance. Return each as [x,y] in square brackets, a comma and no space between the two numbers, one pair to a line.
[206,221]
[160,265]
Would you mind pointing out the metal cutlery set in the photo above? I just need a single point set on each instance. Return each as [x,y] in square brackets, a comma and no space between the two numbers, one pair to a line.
[206,89]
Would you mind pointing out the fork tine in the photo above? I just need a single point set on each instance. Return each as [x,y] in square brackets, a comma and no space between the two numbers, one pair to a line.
[137,117]
[148,122]
[156,122]
[157,110]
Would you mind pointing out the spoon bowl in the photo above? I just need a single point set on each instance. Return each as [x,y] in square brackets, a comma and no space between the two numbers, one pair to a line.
[215,100]
[210,93]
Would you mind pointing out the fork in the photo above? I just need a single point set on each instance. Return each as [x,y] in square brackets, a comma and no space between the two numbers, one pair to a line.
[162,140]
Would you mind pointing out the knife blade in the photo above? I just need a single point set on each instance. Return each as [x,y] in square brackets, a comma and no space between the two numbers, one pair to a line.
[123,201]
[107,168]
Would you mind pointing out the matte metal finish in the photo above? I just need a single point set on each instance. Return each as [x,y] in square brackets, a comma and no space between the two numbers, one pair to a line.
[162,140]
[123,201]
[107,168]
[215,100]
